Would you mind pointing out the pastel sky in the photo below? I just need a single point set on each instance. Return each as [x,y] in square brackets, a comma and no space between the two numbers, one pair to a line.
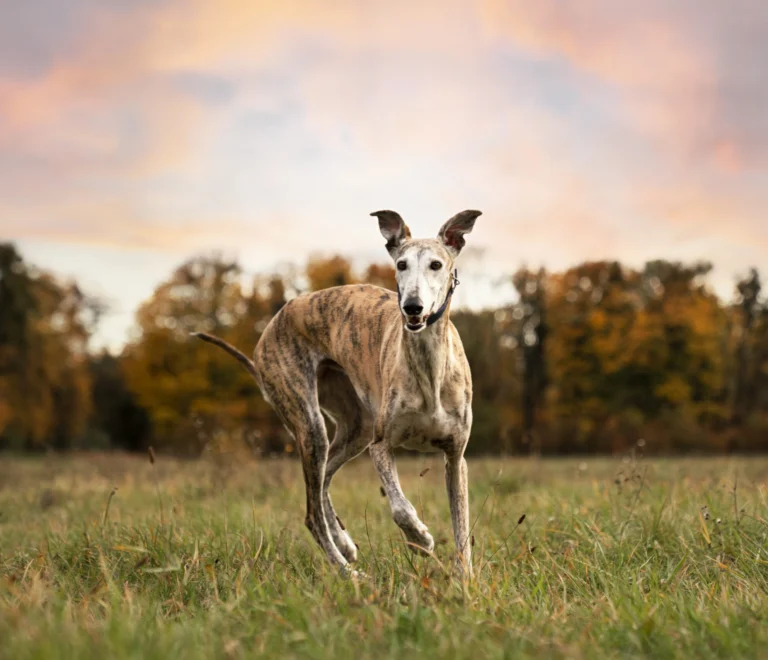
[136,134]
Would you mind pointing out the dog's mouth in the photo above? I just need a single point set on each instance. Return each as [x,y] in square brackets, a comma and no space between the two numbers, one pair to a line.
[415,323]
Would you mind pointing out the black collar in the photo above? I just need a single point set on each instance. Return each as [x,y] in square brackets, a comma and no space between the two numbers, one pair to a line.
[436,316]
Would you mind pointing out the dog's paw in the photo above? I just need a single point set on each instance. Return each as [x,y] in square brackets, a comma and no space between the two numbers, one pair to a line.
[418,537]
[421,543]
[352,574]
[347,547]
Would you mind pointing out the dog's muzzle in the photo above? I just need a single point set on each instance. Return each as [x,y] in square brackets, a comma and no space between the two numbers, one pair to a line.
[415,319]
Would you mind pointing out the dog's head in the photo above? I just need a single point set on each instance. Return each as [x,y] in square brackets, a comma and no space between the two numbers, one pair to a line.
[424,267]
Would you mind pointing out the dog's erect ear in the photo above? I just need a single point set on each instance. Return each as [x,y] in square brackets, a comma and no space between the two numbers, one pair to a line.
[452,232]
[393,229]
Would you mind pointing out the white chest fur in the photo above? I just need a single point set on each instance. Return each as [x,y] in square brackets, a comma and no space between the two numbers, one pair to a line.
[426,430]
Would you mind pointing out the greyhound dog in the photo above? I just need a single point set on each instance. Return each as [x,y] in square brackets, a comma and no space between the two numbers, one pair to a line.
[388,369]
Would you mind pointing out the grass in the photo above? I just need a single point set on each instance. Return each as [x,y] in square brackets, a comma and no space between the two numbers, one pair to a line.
[111,557]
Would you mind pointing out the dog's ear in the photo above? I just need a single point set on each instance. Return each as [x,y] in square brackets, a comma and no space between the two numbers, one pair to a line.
[452,232]
[393,229]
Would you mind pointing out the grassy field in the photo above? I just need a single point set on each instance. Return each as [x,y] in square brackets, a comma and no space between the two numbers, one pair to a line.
[109,556]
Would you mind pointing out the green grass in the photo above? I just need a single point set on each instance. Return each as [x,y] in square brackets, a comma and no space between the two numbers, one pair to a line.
[211,559]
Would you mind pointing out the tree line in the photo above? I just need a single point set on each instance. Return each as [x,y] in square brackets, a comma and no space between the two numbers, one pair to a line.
[595,359]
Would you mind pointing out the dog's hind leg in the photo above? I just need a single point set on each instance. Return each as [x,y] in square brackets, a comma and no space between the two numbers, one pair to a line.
[314,455]
[351,444]
[403,512]
[354,432]
[287,372]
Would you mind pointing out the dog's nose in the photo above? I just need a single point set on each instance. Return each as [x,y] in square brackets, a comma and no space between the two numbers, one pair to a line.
[413,308]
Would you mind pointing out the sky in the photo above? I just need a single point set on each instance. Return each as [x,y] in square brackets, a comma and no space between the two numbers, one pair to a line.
[135,135]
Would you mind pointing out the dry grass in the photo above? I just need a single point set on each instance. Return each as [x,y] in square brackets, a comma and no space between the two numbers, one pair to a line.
[109,556]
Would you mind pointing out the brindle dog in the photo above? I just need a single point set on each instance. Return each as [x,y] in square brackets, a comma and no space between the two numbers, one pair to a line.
[388,369]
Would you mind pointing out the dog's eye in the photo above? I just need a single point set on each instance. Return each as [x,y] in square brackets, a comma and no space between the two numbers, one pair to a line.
[401,265]
[435,265]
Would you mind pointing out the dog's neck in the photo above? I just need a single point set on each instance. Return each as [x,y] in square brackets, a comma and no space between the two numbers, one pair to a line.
[426,356]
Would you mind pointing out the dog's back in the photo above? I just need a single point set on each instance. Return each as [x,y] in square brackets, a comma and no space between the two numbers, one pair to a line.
[353,326]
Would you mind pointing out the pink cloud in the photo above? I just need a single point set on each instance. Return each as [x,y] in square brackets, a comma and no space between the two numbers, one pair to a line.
[406,117]
[672,63]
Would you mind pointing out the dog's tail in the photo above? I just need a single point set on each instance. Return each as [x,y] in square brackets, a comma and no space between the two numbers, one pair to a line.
[238,355]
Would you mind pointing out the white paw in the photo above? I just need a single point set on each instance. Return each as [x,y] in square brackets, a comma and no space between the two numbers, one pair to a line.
[347,572]
[347,547]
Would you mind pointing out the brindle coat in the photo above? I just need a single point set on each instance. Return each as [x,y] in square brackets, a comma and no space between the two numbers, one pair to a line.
[384,375]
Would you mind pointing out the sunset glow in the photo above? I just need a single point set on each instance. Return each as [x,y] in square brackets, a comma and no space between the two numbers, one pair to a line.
[133,135]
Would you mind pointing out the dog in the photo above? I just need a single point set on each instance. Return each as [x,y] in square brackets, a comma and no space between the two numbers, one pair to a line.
[388,369]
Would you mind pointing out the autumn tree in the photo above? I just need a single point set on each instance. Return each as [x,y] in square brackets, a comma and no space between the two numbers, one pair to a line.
[591,316]
[759,379]
[45,327]
[682,341]
[117,416]
[747,369]
[590,359]
[323,273]
[382,275]
[531,339]
[190,389]
[496,385]
[632,347]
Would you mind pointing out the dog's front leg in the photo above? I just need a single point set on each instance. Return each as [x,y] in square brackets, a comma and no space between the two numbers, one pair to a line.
[403,512]
[458,500]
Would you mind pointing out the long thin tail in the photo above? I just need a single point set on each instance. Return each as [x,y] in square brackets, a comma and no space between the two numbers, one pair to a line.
[241,357]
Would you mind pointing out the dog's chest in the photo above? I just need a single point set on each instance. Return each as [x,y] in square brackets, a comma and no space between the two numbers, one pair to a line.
[425,428]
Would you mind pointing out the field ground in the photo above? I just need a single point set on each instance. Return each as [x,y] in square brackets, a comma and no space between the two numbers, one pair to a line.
[211,559]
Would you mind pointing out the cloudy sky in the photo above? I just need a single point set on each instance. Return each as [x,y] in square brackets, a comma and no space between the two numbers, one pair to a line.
[133,135]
